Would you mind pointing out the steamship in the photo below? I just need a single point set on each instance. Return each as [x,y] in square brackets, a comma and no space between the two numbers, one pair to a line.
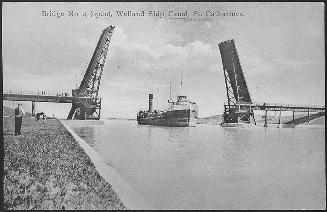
[180,113]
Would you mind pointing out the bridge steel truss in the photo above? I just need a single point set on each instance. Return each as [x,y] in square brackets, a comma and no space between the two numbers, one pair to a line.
[239,107]
[238,97]
[88,104]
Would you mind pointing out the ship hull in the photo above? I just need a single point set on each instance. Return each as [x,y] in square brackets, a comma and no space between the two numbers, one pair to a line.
[177,118]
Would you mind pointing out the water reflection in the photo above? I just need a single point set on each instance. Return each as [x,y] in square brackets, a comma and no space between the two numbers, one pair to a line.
[230,131]
[168,141]
[171,133]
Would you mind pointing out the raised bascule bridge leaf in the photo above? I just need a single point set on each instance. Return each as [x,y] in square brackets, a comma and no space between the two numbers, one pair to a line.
[236,87]
[88,105]
[239,107]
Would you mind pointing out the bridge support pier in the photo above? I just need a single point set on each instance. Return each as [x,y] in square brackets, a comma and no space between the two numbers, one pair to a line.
[82,112]
[279,119]
[293,118]
[33,108]
[308,115]
[266,125]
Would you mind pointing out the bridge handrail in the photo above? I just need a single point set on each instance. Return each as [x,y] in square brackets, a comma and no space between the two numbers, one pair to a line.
[279,105]
[293,105]
[40,93]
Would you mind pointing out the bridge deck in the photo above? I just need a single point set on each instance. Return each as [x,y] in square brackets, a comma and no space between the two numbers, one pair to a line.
[42,98]
[283,107]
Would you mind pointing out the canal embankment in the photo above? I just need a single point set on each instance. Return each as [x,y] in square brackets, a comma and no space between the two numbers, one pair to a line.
[46,168]
[131,199]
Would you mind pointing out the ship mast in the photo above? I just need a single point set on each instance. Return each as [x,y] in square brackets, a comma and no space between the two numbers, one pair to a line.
[181,92]
[169,91]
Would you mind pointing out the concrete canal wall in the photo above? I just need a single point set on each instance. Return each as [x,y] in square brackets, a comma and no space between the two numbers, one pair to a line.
[131,199]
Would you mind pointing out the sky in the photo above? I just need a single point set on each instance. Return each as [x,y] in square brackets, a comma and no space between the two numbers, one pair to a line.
[280,47]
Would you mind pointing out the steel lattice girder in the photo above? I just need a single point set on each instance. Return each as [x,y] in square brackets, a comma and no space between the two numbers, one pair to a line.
[233,71]
[90,84]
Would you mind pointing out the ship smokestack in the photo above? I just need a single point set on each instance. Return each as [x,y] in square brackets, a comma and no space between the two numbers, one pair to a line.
[150,102]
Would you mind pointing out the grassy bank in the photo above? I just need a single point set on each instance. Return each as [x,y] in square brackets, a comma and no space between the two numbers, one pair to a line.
[45,168]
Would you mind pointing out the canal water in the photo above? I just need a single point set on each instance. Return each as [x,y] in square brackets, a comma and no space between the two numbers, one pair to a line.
[210,167]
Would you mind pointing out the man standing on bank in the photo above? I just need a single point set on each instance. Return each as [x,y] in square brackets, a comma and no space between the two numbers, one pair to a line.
[19,112]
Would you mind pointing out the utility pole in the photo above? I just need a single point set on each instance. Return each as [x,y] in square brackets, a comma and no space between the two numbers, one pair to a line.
[257,93]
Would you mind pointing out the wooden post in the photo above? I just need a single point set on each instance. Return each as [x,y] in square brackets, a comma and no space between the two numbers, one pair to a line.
[280,114]
[33,108]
